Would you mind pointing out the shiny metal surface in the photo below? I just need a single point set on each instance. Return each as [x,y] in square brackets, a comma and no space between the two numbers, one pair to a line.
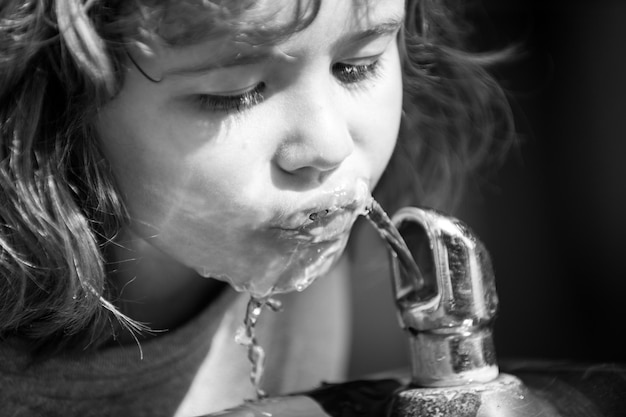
[506,396]
[449,311]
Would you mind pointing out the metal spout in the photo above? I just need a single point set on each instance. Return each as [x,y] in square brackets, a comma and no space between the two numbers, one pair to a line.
[449,311]
[448,306]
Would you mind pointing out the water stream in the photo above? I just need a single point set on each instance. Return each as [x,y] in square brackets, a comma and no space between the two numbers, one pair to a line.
[246,336]
[386,229]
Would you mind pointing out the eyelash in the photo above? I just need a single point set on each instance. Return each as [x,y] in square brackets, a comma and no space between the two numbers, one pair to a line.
[352,74]
[239,102]
[346,73]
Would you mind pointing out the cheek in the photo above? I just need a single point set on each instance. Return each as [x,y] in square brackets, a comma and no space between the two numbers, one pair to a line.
[152,156]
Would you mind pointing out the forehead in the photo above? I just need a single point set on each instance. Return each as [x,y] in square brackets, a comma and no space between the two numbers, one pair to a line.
[195,37]
[183,23]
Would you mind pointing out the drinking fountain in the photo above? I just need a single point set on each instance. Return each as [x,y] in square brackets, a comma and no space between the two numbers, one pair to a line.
[448,314]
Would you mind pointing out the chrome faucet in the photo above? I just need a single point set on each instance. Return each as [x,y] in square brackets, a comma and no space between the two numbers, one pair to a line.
[448,309]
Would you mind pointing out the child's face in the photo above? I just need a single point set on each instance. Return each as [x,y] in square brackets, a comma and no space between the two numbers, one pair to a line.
[222,163]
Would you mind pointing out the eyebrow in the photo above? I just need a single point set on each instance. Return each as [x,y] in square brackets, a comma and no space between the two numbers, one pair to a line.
[241,58]
[383,28]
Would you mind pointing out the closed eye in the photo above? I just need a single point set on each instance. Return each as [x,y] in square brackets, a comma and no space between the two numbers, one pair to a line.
[228,103]
[354,73]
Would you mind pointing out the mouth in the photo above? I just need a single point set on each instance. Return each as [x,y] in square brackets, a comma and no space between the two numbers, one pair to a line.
[329,217]
[325,226]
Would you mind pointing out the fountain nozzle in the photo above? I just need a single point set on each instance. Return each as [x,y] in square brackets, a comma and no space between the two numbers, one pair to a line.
[449,310]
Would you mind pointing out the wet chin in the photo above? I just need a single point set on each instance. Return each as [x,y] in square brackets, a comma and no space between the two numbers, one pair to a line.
[265,270]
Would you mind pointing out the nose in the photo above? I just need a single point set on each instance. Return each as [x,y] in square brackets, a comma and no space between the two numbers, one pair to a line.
[318,137]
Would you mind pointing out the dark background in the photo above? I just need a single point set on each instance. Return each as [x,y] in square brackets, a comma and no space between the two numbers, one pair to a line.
[554,217]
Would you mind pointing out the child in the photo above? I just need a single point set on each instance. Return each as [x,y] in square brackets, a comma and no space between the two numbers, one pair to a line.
[164,160]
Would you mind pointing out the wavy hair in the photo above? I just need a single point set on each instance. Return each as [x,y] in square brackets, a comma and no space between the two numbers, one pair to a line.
[456,117]
[59,208]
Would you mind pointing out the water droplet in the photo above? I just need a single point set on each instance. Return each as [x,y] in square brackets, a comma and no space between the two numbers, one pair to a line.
[274,304]
[241,337]
[204,272]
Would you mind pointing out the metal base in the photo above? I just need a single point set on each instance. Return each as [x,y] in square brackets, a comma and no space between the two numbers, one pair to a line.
[506,396]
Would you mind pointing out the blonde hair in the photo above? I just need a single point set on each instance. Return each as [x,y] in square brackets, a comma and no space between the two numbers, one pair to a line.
[59,206]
